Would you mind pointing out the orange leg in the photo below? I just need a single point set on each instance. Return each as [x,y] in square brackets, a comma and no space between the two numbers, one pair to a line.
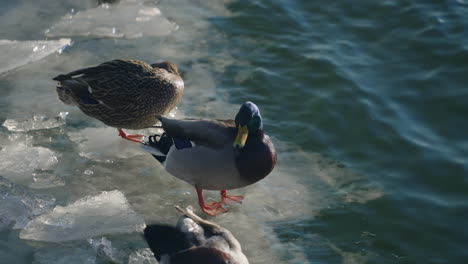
[230,198]
[134,138]
[213,208]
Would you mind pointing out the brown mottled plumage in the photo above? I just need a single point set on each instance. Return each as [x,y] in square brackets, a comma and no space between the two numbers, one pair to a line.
[123,93]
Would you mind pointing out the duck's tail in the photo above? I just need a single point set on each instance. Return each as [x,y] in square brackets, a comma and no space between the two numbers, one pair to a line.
[73,90]
[158,146]
[64,94]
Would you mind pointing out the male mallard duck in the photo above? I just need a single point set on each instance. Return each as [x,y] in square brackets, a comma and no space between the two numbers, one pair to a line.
[123,93]
[194,240]
[216,154]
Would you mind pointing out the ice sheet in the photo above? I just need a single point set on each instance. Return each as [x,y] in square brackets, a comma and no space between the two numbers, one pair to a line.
[127,19]
[23,162]
[97,250]
[18,205]
[104,250]
[142,256]
[103,144]
[35,123]
[19,160]
[45,179]
[14,53]
[67,255]
[91,216]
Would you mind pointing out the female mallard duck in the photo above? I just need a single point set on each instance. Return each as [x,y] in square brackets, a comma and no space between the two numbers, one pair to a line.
[216,154]
[123,93]
[193,240]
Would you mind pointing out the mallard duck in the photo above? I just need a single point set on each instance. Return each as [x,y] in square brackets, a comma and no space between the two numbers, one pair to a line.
[215,154]
[123,93]
[193,240]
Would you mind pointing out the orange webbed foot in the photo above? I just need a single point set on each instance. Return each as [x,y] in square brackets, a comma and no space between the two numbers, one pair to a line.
[225,198]
[134,138]
[213,208]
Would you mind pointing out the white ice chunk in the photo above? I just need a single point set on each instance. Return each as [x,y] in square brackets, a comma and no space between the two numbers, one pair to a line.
[104,250]
[18,161]
[103,144]
[14,53]
[18,205]
[142,256]
[35,123]
[91,216]
[128,19]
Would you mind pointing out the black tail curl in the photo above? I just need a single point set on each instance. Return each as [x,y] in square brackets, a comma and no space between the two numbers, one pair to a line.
[163,144]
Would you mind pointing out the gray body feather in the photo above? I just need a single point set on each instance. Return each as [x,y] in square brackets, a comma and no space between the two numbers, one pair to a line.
[212,163]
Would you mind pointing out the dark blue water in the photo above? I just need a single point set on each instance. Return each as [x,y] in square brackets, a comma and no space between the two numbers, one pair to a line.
[366,102]
[381,87]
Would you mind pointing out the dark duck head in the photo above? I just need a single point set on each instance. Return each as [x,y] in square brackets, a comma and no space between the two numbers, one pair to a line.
[255,153]
[168,66]
[248,123]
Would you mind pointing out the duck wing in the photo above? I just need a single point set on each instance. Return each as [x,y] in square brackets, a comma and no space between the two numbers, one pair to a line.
[210,133]
[110,83]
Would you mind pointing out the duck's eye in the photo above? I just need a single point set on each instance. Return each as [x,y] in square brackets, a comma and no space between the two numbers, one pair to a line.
[255,123]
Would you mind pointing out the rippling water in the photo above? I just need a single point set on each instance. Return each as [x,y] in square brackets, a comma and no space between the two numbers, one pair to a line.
[365,102]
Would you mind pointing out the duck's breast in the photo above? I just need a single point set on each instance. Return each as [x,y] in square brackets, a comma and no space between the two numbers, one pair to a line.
[208,168]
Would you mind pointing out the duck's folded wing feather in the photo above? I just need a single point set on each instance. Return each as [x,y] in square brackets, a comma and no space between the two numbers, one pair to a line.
[213,133]
[114,82]
[84,71]
[75,90]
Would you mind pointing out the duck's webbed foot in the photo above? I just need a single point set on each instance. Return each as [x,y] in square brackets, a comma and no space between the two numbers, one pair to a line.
[213,208]
[134,138]
[225,198]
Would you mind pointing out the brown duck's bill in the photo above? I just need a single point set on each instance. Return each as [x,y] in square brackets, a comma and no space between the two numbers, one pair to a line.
[241,138]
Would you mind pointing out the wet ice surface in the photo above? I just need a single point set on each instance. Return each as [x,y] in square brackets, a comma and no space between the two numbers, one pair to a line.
[142,256]
[102,144]
[127,19]
[48,162]
[69,255]
[106,213]
[19,160]
[22,160]
[14,54]
[94,251]
[18,205]
[35,123]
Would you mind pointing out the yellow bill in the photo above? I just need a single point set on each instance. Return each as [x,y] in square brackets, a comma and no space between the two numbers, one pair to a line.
[241,138]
